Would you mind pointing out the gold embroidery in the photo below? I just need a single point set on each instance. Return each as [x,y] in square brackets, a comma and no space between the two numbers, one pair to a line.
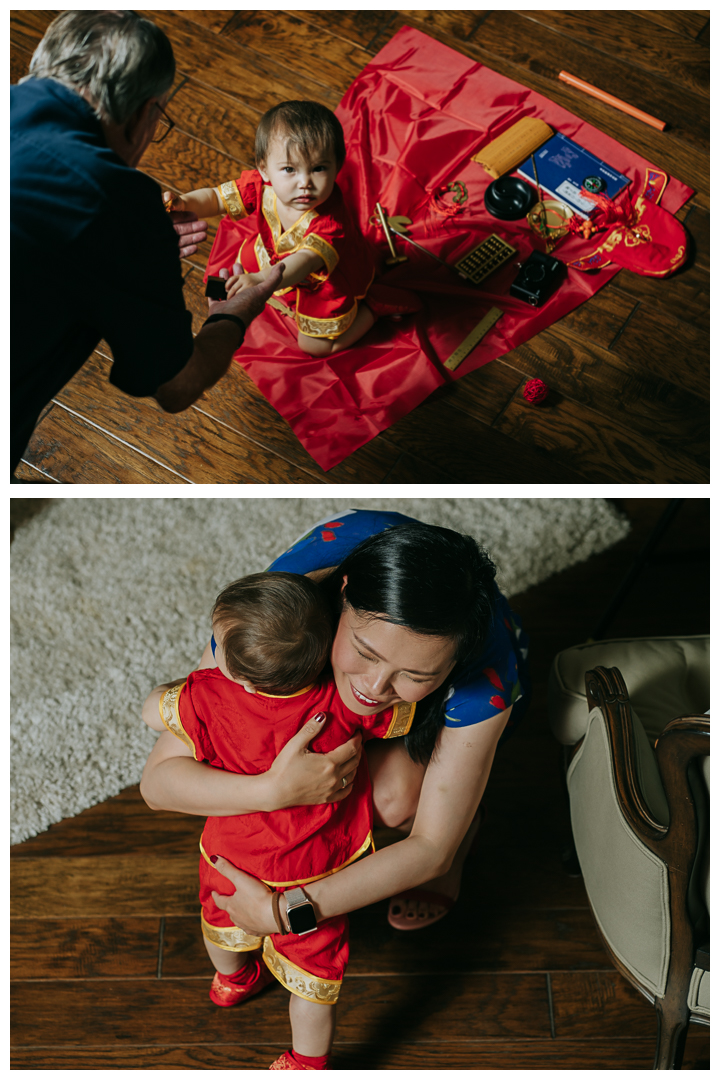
[279,306]
[678,258]
[261,253]
[285,242]
[297,981]
[612,241]
[232,199]
[283,1062]
[325,328]
[402,718]
[263,261]
[171,717]
[323,248]
[230,938]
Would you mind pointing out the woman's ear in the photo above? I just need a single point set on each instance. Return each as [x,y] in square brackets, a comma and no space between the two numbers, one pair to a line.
[342,590]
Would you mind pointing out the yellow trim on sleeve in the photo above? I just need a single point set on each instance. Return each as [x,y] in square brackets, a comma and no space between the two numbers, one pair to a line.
[232,199]
[170,715]
[402,719]
[319,246]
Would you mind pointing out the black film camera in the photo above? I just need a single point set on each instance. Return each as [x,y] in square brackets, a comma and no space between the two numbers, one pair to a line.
[539,277]
[215,288]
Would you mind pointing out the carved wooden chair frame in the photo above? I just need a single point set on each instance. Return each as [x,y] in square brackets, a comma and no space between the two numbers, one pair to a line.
[680,743]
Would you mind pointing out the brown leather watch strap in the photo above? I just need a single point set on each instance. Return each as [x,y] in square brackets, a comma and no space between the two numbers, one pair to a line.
[276,912]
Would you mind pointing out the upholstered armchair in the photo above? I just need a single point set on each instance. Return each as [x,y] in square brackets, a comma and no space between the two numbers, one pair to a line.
[631,714]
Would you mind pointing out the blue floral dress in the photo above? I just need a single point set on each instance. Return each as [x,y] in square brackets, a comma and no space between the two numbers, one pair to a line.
[493,682]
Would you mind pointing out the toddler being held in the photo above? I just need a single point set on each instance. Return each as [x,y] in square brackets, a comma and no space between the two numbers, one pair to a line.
[267,677]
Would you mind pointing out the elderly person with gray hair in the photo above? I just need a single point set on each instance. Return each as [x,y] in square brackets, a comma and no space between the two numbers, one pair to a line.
[80,123]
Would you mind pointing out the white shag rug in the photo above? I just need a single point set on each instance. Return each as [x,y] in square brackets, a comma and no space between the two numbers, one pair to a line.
[112,596]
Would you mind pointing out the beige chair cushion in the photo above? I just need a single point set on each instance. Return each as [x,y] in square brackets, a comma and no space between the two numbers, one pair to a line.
[666,677]
[626,883]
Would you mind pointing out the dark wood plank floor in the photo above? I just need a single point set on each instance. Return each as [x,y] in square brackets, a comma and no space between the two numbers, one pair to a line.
[628,371]
[109,970]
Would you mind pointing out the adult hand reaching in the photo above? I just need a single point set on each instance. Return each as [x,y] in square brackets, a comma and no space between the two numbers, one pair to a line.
[190,231]
[248,302]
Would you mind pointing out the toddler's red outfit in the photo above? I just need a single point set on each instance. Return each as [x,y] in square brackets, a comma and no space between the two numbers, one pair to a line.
[230,729]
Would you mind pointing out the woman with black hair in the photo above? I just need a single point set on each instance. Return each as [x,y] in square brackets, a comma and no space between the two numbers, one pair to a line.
[420,619]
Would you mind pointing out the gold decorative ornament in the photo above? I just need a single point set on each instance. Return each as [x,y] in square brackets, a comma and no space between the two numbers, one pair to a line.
[550,219]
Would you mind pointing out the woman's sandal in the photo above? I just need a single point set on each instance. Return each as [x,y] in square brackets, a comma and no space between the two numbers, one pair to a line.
[401,919]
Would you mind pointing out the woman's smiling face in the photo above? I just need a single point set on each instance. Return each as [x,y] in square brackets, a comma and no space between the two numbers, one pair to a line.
[377,663]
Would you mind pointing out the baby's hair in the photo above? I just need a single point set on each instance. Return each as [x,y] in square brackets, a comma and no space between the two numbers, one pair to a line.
[307,126]
[277,630]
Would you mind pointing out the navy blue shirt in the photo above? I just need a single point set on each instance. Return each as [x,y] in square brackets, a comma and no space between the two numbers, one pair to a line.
[93,255]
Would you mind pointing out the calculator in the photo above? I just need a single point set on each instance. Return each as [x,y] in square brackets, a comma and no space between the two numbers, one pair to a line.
[486,257]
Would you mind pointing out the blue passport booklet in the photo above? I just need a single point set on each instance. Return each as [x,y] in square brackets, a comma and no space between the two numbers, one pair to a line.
[563,167]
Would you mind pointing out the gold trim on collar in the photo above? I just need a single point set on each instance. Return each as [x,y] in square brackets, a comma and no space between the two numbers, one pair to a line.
[402,718]
[284,242]
[170,715]
[264,263]
[283,696]
[230,938]
[299,982]
[232,200]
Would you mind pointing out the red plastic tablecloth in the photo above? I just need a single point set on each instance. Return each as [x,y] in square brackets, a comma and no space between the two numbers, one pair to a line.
[413,118]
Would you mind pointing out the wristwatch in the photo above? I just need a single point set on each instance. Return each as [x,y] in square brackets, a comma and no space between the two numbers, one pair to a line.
[300,913]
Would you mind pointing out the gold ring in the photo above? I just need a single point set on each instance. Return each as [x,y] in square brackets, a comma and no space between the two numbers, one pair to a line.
[344,782]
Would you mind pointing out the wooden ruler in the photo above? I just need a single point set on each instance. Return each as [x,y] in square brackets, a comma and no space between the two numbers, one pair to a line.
[486,323]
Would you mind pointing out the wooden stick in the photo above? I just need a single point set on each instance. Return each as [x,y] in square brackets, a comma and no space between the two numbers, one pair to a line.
[572,80]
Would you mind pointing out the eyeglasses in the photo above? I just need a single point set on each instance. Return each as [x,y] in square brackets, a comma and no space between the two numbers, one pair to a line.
[165,123]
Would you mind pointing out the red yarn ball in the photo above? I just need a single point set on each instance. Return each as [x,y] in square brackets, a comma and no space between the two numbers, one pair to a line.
[535,391]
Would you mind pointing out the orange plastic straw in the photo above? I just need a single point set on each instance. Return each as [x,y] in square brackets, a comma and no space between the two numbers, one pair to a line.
[610,100]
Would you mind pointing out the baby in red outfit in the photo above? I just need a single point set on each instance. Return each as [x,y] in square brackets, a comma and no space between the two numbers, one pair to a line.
[272,635]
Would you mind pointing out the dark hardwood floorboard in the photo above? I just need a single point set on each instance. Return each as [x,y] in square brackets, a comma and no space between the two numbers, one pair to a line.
[569,1054]
[108,966]
[627,371]
[619,35]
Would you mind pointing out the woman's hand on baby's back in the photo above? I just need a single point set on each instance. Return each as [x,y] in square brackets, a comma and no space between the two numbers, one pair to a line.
[300,777]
